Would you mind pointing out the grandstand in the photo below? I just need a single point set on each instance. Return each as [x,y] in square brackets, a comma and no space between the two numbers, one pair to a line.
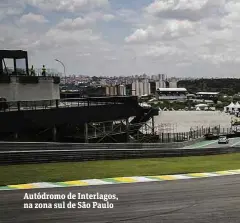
[171,94]
[207,95]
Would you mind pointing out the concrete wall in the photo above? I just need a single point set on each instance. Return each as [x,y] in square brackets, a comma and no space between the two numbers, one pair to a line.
[44,90]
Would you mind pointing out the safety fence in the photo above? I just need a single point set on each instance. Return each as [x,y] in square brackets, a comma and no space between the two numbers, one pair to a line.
[193,134]
[38,154]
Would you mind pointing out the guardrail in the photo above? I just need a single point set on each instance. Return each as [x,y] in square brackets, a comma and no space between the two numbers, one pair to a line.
[45,153]
[20,146]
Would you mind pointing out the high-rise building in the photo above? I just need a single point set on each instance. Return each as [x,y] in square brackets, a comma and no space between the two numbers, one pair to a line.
[154,77]
[173,83]
[141,90]
[115,90]
[122,90]
[135,88]
[129,90]
[111,90]
[146,87]
[107,90]
[153,87]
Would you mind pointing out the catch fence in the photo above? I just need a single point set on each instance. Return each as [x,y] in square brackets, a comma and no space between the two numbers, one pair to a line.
[170,137]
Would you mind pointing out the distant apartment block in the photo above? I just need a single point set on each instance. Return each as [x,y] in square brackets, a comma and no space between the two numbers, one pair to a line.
[116,90]
[134,85]
[140,88]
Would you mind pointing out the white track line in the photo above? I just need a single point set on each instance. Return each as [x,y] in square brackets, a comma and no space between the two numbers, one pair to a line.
[203,145]
[234,144]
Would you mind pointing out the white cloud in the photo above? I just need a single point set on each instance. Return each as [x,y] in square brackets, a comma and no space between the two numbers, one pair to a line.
[64,38]
[168,30]
[186,9]
[32,18]
[179,37]
[10,8]
[140,35]
[85,21]
[128,16]
[78,23]
[108,17]
[161,50]
[190,35]
[68,5]
[233,17]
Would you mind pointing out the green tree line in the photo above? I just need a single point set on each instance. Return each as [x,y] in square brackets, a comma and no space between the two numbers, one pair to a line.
[229,86]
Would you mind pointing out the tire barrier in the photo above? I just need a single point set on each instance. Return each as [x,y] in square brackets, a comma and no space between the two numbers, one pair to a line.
[17,154]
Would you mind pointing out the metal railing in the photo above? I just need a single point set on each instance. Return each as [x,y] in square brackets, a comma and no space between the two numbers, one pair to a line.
[59,103]
[22,72]
[194,134]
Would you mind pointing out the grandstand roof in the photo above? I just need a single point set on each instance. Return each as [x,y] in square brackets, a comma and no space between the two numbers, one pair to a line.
[171,89]
[208,93]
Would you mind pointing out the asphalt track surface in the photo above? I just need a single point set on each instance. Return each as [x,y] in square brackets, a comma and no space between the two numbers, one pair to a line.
[215,200]
[233,142]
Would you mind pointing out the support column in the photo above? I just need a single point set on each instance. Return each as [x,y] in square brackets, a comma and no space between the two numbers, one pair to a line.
[1,66]
[86,132]
[16,135]
[54,131]
[127,129]
[104,129]
[95,132]
[153,124]
[27,71]
[15,66]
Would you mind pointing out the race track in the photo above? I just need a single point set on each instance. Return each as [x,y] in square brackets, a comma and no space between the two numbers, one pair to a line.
[233,142]
[215,200]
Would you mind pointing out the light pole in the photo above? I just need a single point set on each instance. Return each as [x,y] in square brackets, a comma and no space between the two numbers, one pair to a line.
[64,70]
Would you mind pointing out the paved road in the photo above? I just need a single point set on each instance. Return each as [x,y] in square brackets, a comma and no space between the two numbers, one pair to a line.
[214,143]
[215,200]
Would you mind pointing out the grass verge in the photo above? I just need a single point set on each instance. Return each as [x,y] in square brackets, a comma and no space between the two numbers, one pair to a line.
[53,172]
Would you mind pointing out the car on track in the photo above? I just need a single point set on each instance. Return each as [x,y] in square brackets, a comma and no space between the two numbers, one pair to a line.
[223,140]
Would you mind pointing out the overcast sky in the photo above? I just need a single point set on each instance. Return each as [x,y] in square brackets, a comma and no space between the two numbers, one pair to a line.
[126,37]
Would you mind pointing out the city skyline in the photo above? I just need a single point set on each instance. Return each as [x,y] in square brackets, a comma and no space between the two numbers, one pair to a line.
[122,38]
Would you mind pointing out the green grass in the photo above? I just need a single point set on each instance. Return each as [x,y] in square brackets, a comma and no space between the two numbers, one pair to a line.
[16,174]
